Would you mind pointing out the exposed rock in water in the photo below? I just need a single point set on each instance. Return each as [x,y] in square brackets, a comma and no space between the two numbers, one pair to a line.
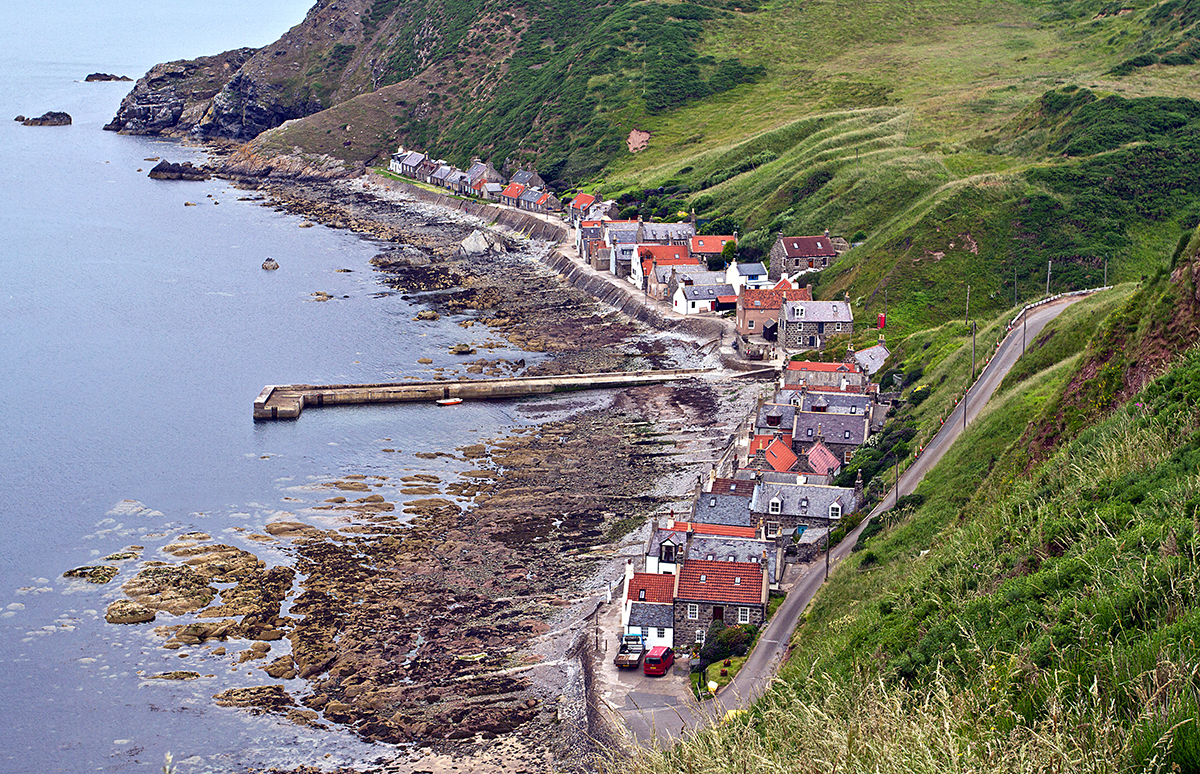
[462,349]
[270,264]
[95,574]
[19,118]
[177,589]
[51,118]
[427,314]
[174,97]
[106,77]
[177,675]
[165,170]
[125,611]
[259,699]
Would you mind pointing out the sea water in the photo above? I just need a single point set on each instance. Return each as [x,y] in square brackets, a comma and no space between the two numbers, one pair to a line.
[136,332]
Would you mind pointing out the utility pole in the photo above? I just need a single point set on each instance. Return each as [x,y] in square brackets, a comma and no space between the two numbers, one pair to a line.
[1014,286]
[973,326]
[1106,271]
[1048,277]
[967,313]
[966,395]
[1024,328]
[828,548]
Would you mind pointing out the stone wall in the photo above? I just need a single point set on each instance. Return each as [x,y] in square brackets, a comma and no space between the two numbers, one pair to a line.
[685,628]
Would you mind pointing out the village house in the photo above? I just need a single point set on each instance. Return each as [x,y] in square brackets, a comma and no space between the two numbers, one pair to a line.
[776,507]
[872,358]
[788,477]
[578,208]
[746,275]
[846,377]
[792,256]
[709,246]
[621,238]
[758,309]
[652,256]
[406,163]
[842,434]
[692,297]
[649,609]
[665,550]
[721,508]
[707,591]
[665,233]
[527,178]
[511,195]
[424,171]
[809,324]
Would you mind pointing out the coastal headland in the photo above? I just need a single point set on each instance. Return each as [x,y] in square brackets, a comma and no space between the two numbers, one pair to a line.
[448,615]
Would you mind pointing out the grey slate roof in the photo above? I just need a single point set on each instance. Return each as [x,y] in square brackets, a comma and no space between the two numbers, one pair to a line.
[803,499]
[818,311]
[784,477]
[665,232]
[834,402]
[660,536]
[812,535]
[721,549]
[785,412]
[622,236]
[652,615]
[706,292]
[872,358]
[837,428]
[726,509]
[751,269]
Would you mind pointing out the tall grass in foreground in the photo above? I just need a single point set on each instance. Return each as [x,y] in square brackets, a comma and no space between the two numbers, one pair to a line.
[862,723]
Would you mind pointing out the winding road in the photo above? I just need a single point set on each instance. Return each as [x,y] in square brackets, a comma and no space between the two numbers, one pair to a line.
[654,716]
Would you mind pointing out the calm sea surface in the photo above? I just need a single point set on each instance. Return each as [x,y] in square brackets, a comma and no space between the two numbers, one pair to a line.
[135,334]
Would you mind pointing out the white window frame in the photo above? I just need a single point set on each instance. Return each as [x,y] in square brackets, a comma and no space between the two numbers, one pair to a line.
[743,615]
[837,326]
[661,632]
[750,324]
[835,512]
[693,612]
[645,633]
[772,529]
[774,506]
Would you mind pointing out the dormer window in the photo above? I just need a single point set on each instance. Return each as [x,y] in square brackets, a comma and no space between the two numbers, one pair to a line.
[774,506]
[835,512]
[804,502]
[731,559]
[712,501]
[641,594]
[703,578]
[737,581]
[711,557]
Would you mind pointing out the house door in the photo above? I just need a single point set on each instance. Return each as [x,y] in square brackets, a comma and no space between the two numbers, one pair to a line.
[718,613]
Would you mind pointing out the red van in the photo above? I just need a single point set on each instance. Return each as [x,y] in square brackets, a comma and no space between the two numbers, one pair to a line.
[658,660]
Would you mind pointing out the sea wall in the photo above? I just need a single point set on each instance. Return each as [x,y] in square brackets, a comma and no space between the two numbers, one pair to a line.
[512,220]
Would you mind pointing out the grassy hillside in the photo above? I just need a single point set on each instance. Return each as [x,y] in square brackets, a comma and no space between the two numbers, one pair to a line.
[1012,621]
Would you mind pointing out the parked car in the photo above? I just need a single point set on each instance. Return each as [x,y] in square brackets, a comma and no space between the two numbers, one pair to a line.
[658,660]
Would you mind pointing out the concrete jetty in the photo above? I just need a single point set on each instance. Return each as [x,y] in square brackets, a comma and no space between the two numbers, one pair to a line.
[286,401]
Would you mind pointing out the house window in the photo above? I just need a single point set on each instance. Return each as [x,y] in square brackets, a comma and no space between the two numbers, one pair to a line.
[799,311]
[668,552]
[847,434]
[772,529]
[804,502]
[854,409]
[750,324]
[812,341]
[835,512]
[645,633]
[736,581]
[693,304]
[693,612]
[743,615]
[774,506]
[810,432]
[699,635]
[641,594]
[837,326]
[704,578]
[662,633]
[731,559]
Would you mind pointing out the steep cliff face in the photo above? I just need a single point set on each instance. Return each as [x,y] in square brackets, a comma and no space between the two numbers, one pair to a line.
[174,97]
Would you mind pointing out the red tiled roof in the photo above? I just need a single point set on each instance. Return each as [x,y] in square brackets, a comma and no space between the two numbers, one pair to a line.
[821,460]
[581,201]
[808,365]
[712,581]
[658,588]
[771,299]
[590,223]
[513,191]
[808,247]
[724,530]
[710,244]
[543,198]
[664,255]
[852,388]
[763,441]
[780,455]
[736,486]
[726,299]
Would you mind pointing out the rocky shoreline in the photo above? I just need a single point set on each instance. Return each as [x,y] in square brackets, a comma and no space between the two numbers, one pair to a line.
[447,616]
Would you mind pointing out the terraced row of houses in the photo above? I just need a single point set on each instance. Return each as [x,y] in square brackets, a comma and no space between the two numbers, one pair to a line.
[525,190]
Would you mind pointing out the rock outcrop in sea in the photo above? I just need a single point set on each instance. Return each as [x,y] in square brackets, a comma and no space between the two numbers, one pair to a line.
[51,118]
[106,77]
[165,170]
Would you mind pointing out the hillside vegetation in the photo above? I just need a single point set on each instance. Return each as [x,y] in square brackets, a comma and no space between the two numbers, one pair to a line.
[1015,619]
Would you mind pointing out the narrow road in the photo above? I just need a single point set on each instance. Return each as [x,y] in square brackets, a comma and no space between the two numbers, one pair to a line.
[665,719]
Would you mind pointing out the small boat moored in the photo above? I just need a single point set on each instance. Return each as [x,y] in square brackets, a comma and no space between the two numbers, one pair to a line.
[449,401]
